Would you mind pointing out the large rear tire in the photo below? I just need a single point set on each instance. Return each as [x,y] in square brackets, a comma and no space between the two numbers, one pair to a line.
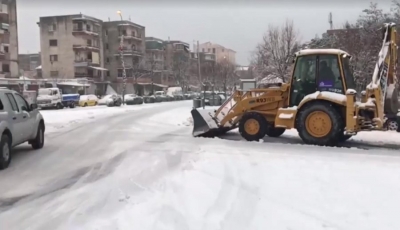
[252,126]
[320,124]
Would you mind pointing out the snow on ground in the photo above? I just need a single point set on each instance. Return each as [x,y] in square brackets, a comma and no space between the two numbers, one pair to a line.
[57,120]
[180,182]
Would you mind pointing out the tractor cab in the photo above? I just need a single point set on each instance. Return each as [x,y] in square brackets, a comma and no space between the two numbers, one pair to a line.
[320,70]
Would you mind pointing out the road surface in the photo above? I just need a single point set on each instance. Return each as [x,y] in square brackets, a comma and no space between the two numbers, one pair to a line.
[141,169]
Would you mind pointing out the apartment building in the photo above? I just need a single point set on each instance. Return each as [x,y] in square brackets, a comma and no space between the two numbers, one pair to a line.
[133,52]
[176,58]
[155,54]
[71,47]
[29,62]
[221,52]
[8,39]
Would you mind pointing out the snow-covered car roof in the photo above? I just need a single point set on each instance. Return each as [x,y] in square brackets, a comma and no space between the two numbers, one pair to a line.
[320,51]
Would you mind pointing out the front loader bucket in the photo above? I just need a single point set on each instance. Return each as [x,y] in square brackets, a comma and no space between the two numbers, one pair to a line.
[204,125]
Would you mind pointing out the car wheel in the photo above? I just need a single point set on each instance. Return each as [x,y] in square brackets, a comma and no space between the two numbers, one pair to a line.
[38,142]
[5,152]
[60,106]
[84,105]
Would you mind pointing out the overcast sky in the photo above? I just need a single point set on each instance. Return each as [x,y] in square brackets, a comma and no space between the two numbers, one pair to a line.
[238,25]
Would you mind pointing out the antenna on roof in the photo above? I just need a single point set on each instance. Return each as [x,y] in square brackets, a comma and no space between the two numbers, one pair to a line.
[168,38]
[130,18]
[330,20]
[109,19]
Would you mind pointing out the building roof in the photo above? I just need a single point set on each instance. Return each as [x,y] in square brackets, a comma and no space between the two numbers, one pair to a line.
[216,45]
[123,23]
[76,16]
[149,39]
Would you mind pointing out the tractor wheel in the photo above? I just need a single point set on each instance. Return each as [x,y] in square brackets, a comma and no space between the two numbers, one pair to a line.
[320,124]
[252,126]
[274,131]
[392,125]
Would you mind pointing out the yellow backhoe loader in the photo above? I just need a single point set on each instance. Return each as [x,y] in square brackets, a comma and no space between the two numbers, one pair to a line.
[320,100]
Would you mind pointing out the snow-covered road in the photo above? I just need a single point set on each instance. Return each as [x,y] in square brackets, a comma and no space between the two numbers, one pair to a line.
[139,168]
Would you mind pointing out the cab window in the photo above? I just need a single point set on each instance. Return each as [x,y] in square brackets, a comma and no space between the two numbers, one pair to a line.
[329,78]
[348,74]
[304,78]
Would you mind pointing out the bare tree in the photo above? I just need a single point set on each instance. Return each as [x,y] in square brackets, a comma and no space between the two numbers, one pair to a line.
[137,71]
[224,73]
[180,69]
[271,55]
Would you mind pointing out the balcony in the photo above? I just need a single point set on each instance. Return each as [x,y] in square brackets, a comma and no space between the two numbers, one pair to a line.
[83,62]
[82,31]
[89,47]
[130,52]
[136,37]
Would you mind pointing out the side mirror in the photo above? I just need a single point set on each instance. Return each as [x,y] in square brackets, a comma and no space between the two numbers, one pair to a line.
[34,106]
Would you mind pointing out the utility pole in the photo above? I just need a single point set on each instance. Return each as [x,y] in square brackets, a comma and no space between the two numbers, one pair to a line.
[121,56]
[199,69]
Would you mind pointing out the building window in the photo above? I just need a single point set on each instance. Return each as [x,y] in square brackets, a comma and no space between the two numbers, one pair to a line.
[6,68]
[52,27]
[53,42]
[119,72]
[106,32]
[107,46]
[108,73]
[6,49]
[213,50]
[89,42]
[53,73]
[203,50]
[223,50]
[53,58]
[209,50]
[108,60]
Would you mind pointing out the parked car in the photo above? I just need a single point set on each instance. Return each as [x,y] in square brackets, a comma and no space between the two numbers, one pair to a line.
[178,97]
[149,99]
[114,100]
[20,122]
[160,96]
[105,99]
[133,99]
[88,100]
[170,98]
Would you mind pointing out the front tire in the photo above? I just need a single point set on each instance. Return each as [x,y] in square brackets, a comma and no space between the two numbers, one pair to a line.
[5,152]
[38,142]
[60,106]
[252,126]
[320,124]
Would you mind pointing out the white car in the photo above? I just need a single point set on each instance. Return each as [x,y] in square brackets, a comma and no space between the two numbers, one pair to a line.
[20,122]
[106,99]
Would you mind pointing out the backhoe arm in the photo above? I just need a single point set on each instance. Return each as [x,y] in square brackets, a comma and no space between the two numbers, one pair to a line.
[382,89]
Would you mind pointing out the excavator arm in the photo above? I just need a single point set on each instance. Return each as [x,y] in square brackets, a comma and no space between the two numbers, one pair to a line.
[382,90]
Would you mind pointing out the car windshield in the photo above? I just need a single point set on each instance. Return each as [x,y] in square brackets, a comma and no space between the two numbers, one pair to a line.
[348,74]
[44,92]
